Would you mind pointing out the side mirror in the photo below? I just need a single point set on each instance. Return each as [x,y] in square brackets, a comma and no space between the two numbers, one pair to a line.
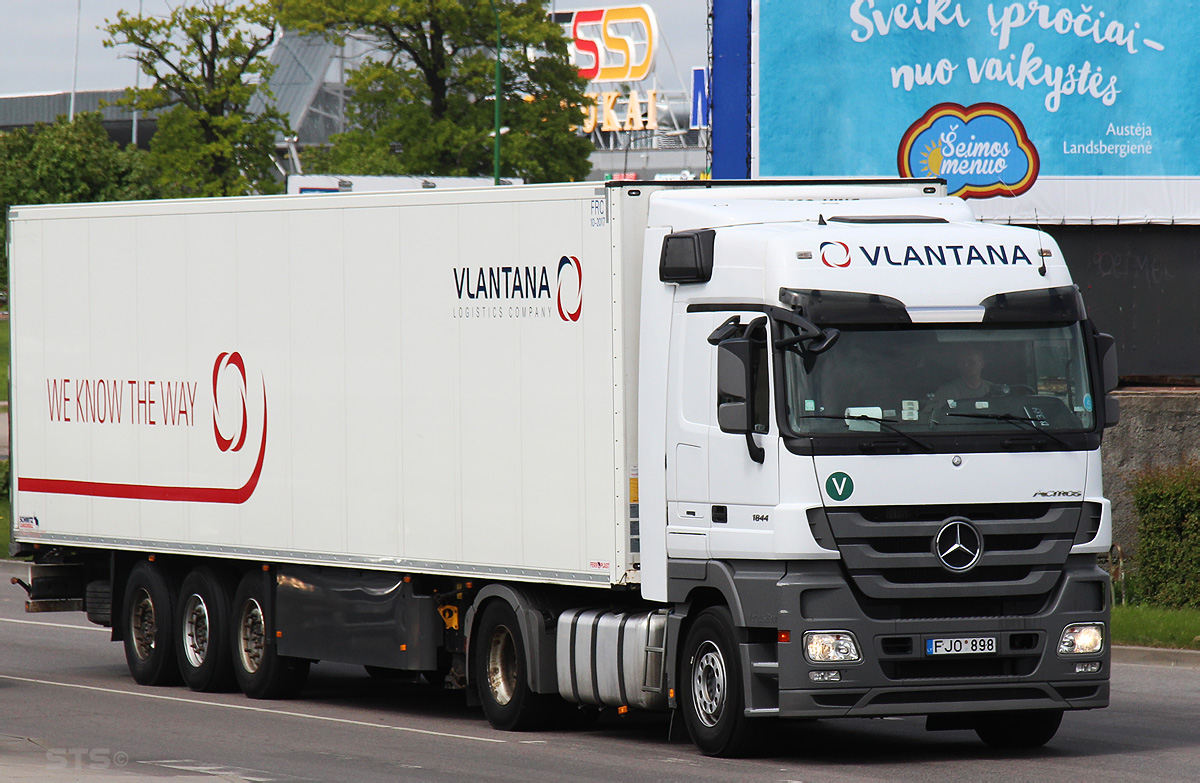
[734,367]
[1107,345]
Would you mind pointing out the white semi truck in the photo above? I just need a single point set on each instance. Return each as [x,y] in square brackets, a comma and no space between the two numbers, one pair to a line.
[743,450]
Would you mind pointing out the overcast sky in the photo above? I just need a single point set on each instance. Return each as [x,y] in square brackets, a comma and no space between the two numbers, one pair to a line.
[37,40]
[37,45]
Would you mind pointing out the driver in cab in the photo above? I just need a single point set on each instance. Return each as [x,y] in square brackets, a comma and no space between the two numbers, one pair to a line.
[970,383]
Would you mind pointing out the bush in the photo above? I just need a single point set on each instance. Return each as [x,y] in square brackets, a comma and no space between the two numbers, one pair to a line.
[1168,560]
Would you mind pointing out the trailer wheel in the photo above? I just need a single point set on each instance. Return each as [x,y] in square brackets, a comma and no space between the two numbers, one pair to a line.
[1018,730]
[711,686]
[202,626]
[97,602]
[260,671]
[501,675]
[149,631]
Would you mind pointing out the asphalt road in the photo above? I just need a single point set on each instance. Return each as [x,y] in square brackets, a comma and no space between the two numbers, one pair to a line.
[69,711]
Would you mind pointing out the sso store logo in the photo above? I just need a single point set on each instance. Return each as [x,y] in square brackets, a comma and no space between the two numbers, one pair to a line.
[981,151]
[570,288]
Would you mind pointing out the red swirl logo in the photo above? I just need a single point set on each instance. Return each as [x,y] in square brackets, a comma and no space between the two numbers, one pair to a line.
[570,288]
[835,254]
[223,363]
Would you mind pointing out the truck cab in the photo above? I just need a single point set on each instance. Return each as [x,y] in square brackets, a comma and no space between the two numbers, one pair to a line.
[882,470]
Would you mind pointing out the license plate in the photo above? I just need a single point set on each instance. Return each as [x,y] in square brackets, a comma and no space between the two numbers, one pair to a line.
[961,646]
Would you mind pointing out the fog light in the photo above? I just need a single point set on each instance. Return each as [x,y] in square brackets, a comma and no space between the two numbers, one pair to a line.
[825,676]
[1082,639]
[1087,667]
[831,647]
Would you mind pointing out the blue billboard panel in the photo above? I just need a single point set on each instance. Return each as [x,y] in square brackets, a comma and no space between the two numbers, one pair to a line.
[991,96]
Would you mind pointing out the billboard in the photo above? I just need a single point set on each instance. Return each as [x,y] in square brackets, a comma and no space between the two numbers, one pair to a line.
[1041,110]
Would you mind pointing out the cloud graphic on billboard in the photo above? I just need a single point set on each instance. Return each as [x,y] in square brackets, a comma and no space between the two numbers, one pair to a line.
[981,151]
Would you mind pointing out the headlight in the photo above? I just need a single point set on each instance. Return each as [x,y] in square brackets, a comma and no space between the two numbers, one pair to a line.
[831,647]
[1082,639]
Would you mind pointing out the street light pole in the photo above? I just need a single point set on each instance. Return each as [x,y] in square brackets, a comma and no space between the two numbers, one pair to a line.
[496,130]
[75,69]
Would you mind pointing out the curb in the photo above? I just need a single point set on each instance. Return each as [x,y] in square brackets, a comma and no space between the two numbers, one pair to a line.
[1157,656]
[1145,656]
[10,568]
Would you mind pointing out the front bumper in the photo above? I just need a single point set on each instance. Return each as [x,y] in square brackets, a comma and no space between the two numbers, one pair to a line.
[897,677]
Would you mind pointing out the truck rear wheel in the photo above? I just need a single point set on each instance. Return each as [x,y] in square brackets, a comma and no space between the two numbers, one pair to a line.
[1018,730]
[260,671]
[711,686]
[203,632]
[502,675]
[148,627]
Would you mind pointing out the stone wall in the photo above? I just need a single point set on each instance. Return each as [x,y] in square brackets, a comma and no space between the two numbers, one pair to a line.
[1158,427]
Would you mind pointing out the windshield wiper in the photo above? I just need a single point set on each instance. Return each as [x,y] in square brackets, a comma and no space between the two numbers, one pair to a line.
[1030,423]
[885,423]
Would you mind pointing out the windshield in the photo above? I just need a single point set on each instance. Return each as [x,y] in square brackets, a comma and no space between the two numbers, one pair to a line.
[942,378]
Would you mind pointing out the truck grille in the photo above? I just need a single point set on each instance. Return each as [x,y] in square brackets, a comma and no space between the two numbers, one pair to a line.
[889,554]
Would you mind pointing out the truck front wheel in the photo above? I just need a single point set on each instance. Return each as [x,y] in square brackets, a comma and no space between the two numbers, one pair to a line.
[262,673]
[148,628]
[203,630]
[711,686]
[501,673]
[1018,730]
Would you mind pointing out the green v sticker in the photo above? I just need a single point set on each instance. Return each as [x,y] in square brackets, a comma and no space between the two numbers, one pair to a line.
[839,486]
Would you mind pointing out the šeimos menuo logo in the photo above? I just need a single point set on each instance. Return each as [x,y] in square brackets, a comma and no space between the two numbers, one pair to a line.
[981,151]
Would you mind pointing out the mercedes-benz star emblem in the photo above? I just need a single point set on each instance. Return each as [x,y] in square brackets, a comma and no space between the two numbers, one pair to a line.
[958,545]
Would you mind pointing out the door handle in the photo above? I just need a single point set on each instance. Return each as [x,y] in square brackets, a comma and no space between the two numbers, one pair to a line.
[720,514]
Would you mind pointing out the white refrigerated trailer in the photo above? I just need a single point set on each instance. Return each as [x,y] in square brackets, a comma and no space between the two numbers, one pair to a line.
[745,450]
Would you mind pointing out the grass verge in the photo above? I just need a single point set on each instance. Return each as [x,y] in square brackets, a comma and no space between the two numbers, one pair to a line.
[1148,626]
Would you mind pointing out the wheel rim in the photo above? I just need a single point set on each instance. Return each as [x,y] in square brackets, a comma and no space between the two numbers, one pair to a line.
[252,637]
[502,666]
[195,630]
[143,625]
[709,688]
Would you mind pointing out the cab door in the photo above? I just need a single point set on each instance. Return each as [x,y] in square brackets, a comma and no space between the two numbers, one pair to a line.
[743,469]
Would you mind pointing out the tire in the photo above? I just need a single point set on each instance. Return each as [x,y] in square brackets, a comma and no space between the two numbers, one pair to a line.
[501,673]
[710,686]
[1018,730]
[97,602]
[202,628]
[148,623]
[260,671]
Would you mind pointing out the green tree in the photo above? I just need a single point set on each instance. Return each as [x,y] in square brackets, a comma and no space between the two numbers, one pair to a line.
[424,105]
[67,162]
[207,62]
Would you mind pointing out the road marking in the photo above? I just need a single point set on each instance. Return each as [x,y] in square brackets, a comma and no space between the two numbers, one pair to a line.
[249,708]
[235,773]
[57,625]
